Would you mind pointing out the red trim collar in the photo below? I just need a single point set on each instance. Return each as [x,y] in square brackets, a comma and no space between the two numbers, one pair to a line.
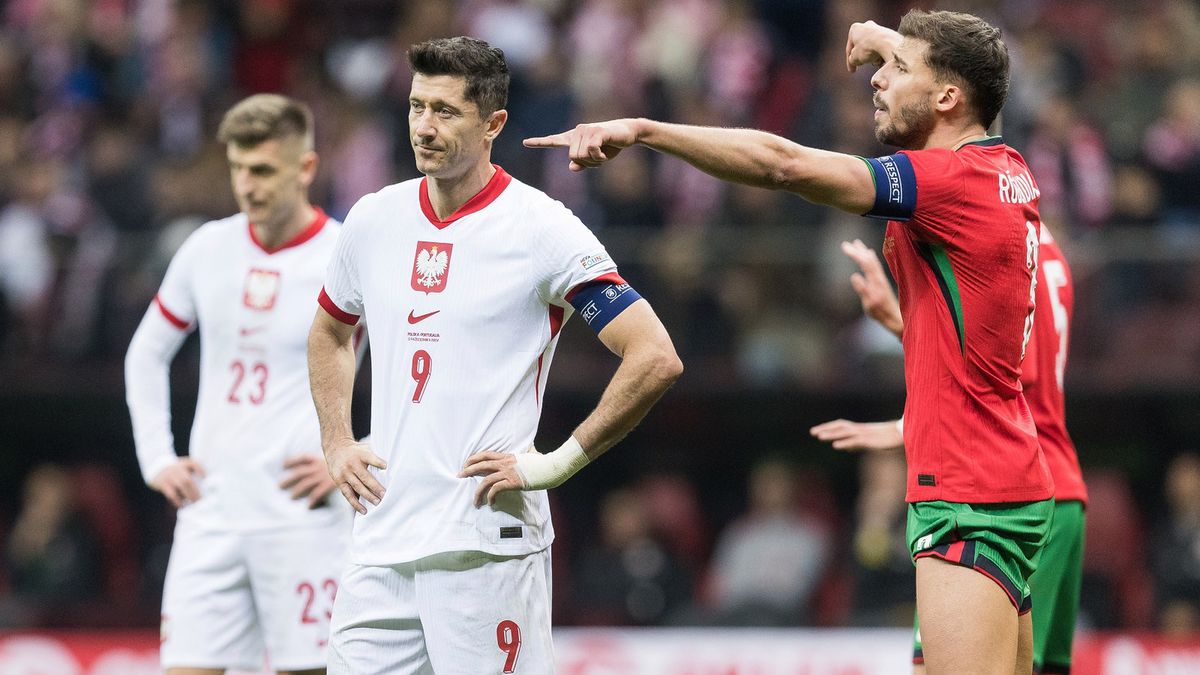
[487,195]
[313,228]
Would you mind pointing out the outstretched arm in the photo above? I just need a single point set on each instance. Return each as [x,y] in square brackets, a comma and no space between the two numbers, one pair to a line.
[649,366]
[850,436]
[745,156]
[874,290]
[331,365]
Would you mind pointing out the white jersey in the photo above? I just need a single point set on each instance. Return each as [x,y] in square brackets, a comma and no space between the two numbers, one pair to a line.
[465,314]
[254,409]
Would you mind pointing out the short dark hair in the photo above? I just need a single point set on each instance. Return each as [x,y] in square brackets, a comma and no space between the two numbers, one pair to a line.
[262,117]
[480,63]
[967,51]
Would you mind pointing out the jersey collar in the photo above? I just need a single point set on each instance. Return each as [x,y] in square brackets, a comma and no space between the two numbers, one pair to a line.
[986,141]
[487,195]
[313,228]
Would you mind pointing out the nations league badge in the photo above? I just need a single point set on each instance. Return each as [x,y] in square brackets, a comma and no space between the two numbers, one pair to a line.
[262,287]
[431,266]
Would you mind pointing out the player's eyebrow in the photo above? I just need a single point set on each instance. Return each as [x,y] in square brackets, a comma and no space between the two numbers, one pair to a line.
[901,62]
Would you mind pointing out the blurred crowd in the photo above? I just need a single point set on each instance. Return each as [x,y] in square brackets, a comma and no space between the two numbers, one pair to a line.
[107,157]
[108,161]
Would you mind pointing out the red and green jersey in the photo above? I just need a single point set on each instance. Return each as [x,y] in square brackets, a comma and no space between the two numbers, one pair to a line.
[1042,373]
[962,243]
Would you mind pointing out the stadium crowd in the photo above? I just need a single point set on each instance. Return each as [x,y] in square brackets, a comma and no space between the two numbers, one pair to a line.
[108,161]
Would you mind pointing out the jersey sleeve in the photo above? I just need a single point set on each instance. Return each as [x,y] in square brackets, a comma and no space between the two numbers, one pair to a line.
[342,293]
[918,187]
[567,256]
[176,300]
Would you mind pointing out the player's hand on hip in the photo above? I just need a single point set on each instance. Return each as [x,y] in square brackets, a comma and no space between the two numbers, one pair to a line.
[177,482]
[349,464]
[872,286]
[590,145]
[850,436]
[307,476]
[499,471]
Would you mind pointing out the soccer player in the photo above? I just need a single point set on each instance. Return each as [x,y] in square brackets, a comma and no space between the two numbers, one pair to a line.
[467,277]
[258,546]
[1055,585]
[962,241]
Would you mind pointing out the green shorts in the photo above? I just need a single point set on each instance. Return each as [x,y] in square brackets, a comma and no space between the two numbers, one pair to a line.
[1055,587]
[1000,541]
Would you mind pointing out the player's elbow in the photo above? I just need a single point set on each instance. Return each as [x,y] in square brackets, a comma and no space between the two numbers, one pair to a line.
[663,365]
[784,174]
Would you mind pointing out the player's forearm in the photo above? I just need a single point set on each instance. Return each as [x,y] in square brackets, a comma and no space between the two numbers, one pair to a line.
[645,374]
[762,159]
[147,392]
[745,156]
[331,366]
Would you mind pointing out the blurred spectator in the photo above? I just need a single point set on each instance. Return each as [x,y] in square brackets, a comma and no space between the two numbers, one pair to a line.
[27,266]
[631,577]
[1177,547]
[1070,162]
[1137,199]
[51,556]
[1172,149]
[768,562]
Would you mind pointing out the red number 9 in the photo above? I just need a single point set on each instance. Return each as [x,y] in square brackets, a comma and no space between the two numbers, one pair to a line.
[422,365]
[508,638]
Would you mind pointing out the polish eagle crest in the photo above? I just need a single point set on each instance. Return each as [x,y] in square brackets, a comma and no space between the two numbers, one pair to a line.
[431,266]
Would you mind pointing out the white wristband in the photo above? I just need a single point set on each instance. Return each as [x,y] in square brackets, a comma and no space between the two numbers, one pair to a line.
[541,472]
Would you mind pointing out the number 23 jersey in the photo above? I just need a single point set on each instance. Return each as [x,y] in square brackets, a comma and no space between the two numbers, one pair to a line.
[253,308]
[465,314]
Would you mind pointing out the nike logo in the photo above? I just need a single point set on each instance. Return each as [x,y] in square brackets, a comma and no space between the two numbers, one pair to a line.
[251,331]
[412,318]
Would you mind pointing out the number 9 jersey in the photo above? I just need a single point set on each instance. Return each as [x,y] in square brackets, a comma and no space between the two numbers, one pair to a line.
[465,314]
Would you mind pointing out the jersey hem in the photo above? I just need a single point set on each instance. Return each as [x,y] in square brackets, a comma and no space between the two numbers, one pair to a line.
[916,496]
[376,559]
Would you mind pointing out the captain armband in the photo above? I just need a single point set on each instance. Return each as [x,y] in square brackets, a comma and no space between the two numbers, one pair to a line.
[895,187]
[602,300]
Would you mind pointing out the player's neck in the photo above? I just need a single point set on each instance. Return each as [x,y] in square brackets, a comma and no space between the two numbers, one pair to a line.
[273,236]
[953,137]
[446,195]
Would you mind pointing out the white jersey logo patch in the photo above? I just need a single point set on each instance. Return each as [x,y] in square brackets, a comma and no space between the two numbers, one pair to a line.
[261,290]
[431,266]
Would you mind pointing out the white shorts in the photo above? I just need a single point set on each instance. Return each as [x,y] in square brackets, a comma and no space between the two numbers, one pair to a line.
[233,599]
[460,613]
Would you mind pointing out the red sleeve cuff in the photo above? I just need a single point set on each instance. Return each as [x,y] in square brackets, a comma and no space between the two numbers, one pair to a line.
[175,320]
[336,312]
[610,277]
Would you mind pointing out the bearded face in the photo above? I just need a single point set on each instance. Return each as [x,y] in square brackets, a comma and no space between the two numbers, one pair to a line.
[906,125]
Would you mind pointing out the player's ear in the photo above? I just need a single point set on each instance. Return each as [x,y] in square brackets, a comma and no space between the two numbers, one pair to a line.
[308,167]
[495,124]
[949,97]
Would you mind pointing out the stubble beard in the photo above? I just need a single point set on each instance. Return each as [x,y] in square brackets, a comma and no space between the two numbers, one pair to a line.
[909,128]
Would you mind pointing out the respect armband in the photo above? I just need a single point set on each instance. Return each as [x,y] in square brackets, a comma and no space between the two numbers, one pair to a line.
[602,300]
[895,187]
